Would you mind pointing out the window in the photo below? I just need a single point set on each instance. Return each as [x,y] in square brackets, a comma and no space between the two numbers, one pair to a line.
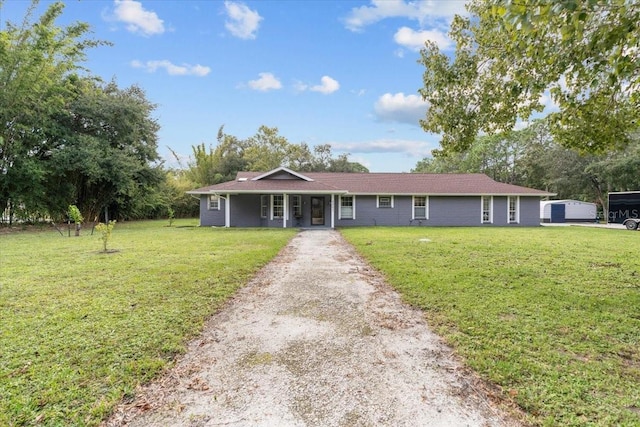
[214,202]
[420,207]
[297,206]
[347,207]
[514,211]
[385,201]
[277,203]
[487,209]
[264,206]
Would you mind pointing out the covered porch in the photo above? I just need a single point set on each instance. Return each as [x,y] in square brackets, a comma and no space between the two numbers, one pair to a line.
[274,209]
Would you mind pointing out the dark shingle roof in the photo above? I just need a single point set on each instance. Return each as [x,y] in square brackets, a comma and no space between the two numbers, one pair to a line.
[283,180]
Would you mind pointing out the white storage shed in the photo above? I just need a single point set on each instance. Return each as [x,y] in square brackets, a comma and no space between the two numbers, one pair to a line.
[556,211]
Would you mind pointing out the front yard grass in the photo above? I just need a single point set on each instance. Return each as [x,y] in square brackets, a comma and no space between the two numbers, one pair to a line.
[80,328]
[550,314]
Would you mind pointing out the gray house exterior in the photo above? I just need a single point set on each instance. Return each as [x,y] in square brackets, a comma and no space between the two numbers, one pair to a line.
[285,198]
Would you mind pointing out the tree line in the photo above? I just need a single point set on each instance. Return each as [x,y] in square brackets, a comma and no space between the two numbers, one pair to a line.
[69,138]
[532,157]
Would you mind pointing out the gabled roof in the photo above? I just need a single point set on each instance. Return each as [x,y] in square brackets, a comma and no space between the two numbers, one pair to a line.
[280,172]
[283,180]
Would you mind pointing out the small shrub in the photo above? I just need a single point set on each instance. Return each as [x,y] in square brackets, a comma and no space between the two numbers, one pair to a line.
[105,232]
[172,215]
[74,215]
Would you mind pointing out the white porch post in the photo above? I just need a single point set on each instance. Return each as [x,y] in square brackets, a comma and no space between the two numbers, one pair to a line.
[285,207]
[333,212]
[227,211]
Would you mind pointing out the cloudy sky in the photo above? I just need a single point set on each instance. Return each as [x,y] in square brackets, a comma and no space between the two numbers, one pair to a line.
[339,72]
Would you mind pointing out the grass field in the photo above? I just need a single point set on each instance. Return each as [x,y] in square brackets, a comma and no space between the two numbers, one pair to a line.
[550,314]
[79,329]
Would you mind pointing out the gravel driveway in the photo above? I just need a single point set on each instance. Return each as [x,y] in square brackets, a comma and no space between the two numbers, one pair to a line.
[316,339]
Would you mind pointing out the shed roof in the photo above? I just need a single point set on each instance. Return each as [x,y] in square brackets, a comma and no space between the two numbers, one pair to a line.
[283,180]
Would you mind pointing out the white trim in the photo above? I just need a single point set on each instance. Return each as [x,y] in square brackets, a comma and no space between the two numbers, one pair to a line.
[517,219]
[293,204]
[271,216]
[384,207]
[227,211]
[353,206]
[333,212]
[285,208]
[264,197]
[482,221]
[281,169]
[413,206]
[218,198]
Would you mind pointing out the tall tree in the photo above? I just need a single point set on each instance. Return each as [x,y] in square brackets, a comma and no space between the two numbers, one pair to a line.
[267,150]
[36,59]
[584,53]
[105,149]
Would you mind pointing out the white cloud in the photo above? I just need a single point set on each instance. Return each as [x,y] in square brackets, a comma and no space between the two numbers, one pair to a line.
[419,10]
[414,148]
[327,85]
[172,69]
[400,108]
[266,82]
[415,40]
[243,22]
[137,19]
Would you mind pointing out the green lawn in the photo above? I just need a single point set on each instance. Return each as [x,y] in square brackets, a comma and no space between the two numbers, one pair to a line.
[79,329]
[551,314]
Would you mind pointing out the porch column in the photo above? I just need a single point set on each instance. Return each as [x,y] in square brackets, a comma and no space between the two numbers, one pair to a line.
[285,207]
[333,212]
[227,211]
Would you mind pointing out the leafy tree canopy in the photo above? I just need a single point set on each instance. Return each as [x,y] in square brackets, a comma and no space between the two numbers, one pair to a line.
[266,150]
[585,54]
[530,157]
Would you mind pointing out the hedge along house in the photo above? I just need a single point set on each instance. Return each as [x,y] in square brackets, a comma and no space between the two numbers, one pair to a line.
[285,198]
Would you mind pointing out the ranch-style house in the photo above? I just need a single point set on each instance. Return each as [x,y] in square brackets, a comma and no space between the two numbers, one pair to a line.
[286,198]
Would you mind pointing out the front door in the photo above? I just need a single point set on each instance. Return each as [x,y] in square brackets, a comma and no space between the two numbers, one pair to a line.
[317,211]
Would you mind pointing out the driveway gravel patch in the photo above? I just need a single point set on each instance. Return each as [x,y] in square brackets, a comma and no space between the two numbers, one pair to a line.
[317,338]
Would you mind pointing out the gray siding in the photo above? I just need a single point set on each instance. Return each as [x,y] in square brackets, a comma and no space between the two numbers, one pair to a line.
[500,211]
[442,211]
[457,211]
[211,218]
[245,211]
[529,211]
[368,214]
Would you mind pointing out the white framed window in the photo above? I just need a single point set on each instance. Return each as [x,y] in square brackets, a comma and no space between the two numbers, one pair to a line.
[420,207]
[214,202]
[297,206]
[487,209]
[513,206]
[385,202]
[264,206]
[277,206]
[347,207]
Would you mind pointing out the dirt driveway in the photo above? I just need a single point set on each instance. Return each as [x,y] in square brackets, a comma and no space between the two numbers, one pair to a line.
[316,339]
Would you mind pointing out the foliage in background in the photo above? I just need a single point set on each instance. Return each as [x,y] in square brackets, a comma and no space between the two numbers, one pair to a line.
[266,150]
[530,157]
[549,314]
[509,55]
[36,59]
[74,343]
[65,135]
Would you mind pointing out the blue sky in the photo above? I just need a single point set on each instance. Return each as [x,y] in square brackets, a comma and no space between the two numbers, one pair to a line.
[343,73]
